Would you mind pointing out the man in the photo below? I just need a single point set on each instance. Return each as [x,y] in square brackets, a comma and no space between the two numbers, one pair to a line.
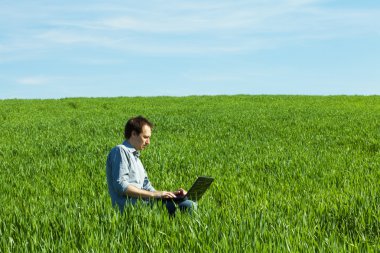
[126,177]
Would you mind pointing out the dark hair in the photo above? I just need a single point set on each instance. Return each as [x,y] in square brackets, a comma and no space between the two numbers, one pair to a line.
[135,124]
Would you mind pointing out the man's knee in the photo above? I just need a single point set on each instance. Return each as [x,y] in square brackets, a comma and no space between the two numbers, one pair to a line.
[184,206]
[187,205]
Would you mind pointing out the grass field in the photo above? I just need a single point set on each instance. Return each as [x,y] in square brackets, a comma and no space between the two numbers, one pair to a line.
[293,173]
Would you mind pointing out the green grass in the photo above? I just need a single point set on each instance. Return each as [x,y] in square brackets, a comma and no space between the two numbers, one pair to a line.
[293,173]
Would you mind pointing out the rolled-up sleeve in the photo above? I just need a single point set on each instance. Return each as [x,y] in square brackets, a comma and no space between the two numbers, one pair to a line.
[119,166]
[148,186]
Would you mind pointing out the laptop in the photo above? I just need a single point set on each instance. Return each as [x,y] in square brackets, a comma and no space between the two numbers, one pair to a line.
[197,190]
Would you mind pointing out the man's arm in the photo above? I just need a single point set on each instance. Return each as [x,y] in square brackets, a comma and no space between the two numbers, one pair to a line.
[133,191]
[118,170]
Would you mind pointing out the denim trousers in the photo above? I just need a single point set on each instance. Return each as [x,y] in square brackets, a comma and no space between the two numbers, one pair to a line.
[184,206]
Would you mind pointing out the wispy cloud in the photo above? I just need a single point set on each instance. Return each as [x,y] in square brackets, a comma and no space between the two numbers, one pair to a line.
[185,27]
[33,80]
[74,37]
[239,17]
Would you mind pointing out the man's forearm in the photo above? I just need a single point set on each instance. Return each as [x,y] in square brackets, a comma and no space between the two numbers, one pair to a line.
[133,191]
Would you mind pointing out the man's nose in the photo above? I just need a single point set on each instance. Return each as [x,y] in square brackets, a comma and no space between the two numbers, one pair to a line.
[147,141]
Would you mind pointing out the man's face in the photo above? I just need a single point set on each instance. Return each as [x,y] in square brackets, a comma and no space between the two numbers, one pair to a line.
[142,140]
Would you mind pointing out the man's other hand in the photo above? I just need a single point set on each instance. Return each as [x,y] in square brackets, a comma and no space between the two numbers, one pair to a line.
[180,192]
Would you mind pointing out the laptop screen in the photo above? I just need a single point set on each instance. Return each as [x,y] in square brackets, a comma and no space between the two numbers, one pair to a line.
[199,187]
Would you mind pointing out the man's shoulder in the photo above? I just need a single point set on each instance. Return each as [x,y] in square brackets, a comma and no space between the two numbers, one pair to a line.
[119,152]
[121,148]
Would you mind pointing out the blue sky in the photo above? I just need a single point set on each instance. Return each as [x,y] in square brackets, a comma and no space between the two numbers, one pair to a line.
[55,49]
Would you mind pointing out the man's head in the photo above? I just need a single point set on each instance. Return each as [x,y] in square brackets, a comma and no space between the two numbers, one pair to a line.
[138,131]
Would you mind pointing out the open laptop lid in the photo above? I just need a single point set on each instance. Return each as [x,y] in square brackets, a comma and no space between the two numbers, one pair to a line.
[199,187]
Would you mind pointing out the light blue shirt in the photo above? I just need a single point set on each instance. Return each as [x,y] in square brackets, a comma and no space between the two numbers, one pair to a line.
[123,169]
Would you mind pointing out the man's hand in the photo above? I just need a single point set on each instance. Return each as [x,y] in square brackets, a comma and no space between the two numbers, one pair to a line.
[180,192]
[164,195]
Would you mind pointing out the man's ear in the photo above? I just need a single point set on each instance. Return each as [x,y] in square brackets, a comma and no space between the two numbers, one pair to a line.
[134,133]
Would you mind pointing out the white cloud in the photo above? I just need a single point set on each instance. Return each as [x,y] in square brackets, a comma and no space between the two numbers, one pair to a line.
[239,17]
[72,37]
[34,80]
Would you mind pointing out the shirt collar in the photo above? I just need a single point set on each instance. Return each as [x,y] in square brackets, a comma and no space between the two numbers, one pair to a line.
[131,149]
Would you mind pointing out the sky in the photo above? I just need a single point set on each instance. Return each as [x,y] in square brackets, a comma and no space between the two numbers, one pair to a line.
[82,48]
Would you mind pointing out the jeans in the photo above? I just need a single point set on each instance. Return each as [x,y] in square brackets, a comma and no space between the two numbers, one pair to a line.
[184,206]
